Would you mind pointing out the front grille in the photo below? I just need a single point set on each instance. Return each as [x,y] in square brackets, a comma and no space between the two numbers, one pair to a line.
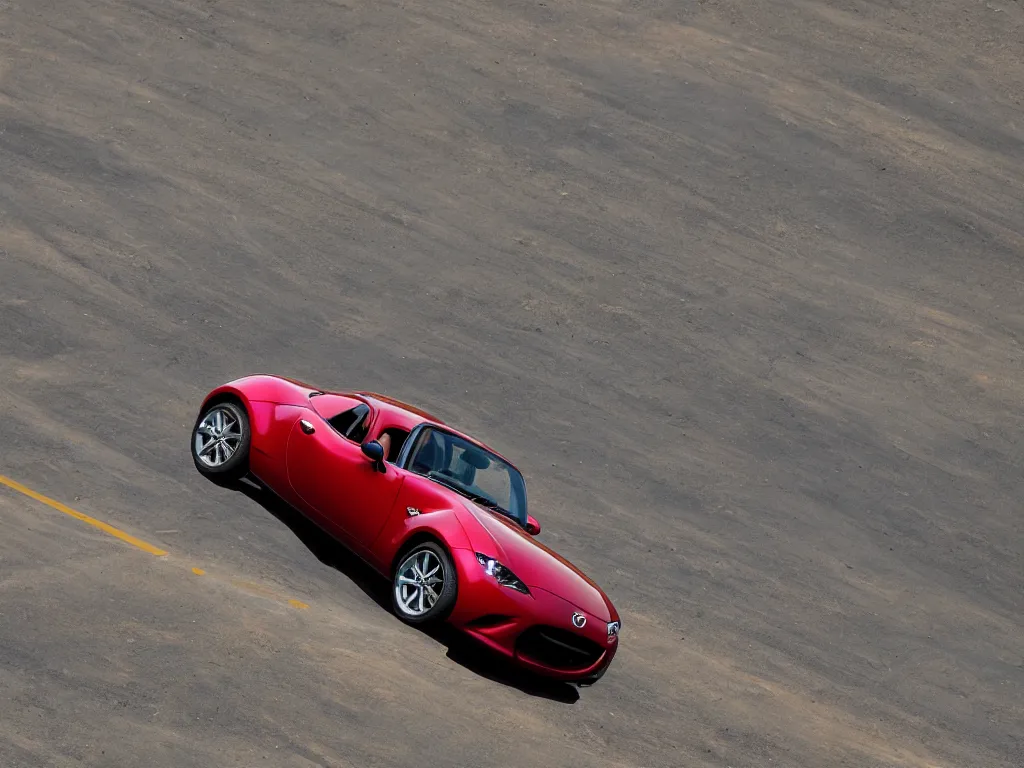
[558,648]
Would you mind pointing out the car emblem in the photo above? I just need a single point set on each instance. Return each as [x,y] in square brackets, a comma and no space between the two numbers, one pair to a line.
[411,511]
[579,620]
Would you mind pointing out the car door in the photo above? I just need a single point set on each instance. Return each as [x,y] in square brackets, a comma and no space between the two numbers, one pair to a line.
[339,484]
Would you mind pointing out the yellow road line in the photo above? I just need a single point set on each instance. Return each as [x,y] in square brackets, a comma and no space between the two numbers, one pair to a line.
[129,539]
[117,534]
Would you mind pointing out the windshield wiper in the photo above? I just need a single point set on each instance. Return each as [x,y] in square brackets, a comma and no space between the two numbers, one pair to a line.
[445,481]
[456,486]
[486,502]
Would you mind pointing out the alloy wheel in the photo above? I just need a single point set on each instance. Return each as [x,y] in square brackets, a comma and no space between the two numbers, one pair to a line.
[217,437]
[419,582]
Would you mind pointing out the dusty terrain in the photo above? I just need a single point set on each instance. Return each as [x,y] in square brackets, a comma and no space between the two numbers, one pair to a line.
[738,284]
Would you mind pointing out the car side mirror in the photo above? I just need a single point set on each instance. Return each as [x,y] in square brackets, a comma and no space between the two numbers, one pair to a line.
[374,451]
[532,526]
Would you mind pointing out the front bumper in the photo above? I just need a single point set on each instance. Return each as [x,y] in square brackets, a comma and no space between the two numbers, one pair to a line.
[535,631]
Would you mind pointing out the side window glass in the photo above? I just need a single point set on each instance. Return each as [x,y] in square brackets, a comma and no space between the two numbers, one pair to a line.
[361,427]
[352,423]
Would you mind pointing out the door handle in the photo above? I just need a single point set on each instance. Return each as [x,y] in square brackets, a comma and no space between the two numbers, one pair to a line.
[306,427]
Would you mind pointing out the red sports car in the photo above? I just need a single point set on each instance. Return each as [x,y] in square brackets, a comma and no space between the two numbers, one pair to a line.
[437,512]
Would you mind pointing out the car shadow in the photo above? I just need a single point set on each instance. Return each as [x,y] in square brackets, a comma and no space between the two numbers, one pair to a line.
[462,649]
[317,541]
[477,658]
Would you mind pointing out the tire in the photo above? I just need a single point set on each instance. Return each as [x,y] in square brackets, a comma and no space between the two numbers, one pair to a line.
[220,442]
[405,597]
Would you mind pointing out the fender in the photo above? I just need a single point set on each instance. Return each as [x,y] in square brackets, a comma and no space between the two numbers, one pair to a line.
[272,405]
[420,509]
[265,388]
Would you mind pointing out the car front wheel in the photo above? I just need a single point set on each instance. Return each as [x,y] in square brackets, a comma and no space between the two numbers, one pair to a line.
[424,584]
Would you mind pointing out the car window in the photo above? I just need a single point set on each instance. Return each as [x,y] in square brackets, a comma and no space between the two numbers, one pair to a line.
[469,470]
[353,423]
[495,484]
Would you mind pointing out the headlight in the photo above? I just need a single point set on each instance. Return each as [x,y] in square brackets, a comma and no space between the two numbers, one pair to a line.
[501,574]
[613,631]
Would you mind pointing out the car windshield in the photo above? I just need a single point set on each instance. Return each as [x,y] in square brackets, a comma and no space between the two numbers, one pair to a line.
[471,471]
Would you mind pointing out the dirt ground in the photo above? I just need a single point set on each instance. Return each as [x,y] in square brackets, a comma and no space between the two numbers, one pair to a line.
[739,285]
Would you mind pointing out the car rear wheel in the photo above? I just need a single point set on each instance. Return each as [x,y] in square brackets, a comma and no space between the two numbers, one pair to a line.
[220,442]
[424,584]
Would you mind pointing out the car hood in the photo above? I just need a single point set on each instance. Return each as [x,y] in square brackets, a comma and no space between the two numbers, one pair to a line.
[537,565]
